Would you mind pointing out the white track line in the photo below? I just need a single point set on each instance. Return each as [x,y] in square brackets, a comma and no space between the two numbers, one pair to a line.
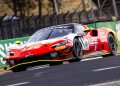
[108,68]
[112,83]
[39,67]
[17,84]
[45,66]
[91,58]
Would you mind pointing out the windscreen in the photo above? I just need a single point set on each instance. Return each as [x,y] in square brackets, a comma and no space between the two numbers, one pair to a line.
[51,32]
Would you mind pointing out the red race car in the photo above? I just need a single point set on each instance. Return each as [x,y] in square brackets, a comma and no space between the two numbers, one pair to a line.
[59,43]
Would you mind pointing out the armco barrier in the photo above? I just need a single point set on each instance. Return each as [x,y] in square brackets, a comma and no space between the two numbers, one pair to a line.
[4,44]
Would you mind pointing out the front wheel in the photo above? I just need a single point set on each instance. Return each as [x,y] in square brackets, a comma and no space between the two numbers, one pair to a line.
[15,67]
[77,50]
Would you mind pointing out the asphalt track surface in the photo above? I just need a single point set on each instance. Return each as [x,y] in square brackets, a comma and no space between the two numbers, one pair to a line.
[85,73]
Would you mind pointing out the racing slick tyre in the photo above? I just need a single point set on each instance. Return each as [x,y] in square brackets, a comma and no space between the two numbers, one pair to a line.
[18,68]
[77,50]
[112,44]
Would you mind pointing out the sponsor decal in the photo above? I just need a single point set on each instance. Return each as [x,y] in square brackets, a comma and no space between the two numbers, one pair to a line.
[87,42]
[60,47]
[3,49]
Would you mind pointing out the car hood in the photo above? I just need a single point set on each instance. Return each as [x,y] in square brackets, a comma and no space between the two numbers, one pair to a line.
[44,42]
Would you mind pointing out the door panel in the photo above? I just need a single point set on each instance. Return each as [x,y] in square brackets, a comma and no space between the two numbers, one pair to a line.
[89,44]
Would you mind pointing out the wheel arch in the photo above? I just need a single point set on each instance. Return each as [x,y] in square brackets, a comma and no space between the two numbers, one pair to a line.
[77,37]
[111,33]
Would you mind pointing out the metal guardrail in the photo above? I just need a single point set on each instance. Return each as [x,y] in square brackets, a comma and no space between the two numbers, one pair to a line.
[18,26]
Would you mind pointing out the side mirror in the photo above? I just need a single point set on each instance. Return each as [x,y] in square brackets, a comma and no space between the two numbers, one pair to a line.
[94,32]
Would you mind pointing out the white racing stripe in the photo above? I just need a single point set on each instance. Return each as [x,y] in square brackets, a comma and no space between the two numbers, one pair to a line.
[108,68]
[17,84]
[91,58]
[112,83]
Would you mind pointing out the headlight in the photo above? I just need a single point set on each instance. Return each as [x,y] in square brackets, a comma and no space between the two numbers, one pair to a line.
[59,44]
[8,53]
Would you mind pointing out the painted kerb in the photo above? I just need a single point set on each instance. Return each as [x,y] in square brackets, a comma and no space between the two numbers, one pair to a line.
[4,44]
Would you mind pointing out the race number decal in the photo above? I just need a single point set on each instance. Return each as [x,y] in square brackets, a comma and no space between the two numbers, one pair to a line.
[85,43]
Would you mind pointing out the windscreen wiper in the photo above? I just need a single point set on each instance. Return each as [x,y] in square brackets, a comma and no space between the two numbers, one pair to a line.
[50,33]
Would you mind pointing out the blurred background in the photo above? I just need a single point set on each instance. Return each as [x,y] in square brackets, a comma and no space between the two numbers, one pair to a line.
[20,18]
[28,7]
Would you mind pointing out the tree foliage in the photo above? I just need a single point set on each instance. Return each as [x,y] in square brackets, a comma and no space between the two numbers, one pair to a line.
[21,6]
[28,7]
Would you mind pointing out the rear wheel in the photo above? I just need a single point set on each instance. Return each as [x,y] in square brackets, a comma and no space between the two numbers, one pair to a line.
[77,50]
[112,44]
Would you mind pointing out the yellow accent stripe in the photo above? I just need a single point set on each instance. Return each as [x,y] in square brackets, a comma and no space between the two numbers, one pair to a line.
[37,61]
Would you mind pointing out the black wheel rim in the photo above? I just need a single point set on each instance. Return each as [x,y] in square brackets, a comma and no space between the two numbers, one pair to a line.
[112,44]
[78,49]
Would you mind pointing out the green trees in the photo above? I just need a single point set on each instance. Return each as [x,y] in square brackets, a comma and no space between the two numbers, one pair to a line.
[21,7]
[43,7]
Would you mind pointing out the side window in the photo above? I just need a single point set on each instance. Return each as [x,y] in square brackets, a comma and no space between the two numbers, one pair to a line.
[79,29]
